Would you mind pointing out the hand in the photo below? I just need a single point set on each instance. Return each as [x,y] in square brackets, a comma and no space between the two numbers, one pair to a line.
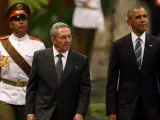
[31,117]
[112,117]
[78,117]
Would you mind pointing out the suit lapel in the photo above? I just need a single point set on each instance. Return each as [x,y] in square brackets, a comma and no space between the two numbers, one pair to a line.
[130,50]
[50,57]
[147,48]
[68,66]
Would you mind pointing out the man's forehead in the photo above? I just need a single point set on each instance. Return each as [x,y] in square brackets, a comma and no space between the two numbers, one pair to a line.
[63,30]
[139,11]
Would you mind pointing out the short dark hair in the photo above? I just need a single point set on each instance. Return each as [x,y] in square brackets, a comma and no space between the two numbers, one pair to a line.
[130,11]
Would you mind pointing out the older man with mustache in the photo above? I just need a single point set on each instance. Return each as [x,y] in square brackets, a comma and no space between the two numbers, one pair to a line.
[59,85]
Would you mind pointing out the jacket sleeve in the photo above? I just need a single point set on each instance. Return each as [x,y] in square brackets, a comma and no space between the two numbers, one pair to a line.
[32,88]
[111,88]
[84,92]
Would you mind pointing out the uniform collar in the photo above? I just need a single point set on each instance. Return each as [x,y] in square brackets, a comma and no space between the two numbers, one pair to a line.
[13,37]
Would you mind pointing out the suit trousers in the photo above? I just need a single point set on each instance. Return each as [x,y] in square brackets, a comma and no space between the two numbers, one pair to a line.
[12,112]
[139,113]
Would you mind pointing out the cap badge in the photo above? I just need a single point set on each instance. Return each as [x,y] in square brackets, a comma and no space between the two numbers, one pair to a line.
[19,6]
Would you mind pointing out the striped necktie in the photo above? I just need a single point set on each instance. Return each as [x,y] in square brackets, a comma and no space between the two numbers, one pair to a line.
[138,52]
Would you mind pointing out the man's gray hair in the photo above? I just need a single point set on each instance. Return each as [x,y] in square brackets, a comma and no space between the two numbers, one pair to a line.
[53,30]
[130,11]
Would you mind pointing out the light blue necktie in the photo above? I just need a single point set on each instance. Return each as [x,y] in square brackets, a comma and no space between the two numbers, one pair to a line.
[138,52]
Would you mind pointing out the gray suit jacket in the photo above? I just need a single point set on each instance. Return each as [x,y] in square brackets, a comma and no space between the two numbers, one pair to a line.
[44,94]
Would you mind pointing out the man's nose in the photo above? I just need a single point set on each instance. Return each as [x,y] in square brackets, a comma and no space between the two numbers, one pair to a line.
[68,38]
[21,21]
[143,18]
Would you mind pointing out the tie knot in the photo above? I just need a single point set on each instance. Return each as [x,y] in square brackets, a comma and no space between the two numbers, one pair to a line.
[138,40]
[59,55]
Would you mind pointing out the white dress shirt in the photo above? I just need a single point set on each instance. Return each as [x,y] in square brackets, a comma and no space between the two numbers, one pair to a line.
[26,47]
[64,57]
[143,39]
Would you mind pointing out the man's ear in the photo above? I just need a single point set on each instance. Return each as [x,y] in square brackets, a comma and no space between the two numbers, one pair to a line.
[52,39]
[10,24]
[129,22]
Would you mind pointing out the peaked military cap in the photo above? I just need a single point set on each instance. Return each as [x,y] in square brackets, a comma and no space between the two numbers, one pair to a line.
[17,9]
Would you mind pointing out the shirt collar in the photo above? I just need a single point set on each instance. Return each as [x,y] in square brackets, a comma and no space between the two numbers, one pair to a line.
[55,53]
[13,37]
[134,37]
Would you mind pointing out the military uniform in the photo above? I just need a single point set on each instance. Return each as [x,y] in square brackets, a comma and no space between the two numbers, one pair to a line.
[13,79]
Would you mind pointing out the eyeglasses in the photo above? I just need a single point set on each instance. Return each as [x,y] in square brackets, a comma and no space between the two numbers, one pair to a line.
[64,37]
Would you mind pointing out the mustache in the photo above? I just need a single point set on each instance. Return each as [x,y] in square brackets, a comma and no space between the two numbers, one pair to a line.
[67,44]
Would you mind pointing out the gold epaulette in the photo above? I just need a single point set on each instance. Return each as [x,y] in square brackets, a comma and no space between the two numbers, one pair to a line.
[4,61]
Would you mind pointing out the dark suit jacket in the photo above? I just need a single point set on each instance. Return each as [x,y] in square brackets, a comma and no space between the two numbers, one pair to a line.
[44,94]
[133,83]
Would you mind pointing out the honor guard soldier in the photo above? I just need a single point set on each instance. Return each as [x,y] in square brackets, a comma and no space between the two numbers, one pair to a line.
[16,51]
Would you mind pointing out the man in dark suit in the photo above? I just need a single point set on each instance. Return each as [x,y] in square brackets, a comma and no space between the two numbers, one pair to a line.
[132,91]
[59,85]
